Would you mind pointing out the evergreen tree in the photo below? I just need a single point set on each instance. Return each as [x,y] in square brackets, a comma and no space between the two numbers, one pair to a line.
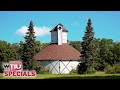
[87,50]
[28,50]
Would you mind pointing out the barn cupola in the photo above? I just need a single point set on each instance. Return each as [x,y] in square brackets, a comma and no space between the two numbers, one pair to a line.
[59,35]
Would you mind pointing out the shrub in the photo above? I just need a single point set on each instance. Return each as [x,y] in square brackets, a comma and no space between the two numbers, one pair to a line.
[116,68]
[37,66]
[109,70]
[100,66]
[112,69]
[90,70]
[81,68]
[73,71]
[44,71]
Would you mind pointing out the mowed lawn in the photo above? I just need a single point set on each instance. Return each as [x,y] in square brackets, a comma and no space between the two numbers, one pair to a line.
[97,75]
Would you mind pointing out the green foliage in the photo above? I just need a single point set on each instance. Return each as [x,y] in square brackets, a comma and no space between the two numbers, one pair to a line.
[109,70]
[112,69]
[90,70]
[44,45]
[1,68]
[87,49]
[35,65]
[106,52]
[38,46]
[44,71]
[8,52]
[116,52]
[76,45]
[100,65]
[74,71]
[84,69]
[81,68]
[28,48]
[117,68]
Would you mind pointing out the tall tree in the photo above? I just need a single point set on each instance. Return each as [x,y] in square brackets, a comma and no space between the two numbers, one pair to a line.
[87,49]
[28,50]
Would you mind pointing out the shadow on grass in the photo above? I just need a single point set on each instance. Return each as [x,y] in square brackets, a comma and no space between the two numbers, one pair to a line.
[88,77]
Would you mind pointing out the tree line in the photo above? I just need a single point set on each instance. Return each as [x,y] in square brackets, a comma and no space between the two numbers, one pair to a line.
[106,51]
[11,52]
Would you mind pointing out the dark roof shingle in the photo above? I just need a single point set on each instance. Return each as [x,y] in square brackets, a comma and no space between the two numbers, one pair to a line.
[55,28]
[58,52]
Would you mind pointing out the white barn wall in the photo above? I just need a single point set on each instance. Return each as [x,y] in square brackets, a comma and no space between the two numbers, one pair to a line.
[64,37]
[70,66]
[74,64]
[60,37]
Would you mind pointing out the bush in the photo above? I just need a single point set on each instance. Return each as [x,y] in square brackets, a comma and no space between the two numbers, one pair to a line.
[117,68]
[100,66]
[73,71]
[36,65]
[109,70]
[112,69]
[81,68]
[44,71]
[90,70]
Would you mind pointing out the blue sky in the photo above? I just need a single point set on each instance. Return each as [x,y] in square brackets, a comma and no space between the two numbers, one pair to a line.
[13,24]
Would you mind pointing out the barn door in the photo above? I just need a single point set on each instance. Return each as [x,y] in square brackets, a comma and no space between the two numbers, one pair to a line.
[54,67]
[60,67]
[64,65]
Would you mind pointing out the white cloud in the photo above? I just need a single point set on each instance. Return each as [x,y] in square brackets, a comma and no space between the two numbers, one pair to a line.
[39,31]
[22,31]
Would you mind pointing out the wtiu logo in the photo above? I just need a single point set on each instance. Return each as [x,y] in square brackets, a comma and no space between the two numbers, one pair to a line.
[14,68]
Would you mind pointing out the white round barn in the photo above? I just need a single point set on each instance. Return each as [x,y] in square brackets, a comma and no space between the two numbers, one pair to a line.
[59,57]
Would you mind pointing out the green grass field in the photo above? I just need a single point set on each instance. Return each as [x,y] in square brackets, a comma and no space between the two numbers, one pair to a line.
[97,75]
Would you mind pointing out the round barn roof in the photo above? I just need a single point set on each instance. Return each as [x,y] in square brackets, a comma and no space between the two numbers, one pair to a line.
[58,52]
[55,28]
